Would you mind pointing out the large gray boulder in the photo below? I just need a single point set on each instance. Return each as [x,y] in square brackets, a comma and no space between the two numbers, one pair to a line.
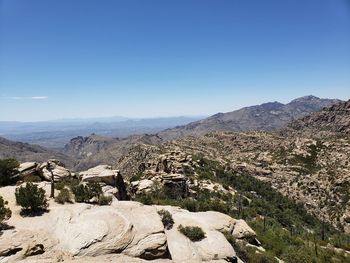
[100,174]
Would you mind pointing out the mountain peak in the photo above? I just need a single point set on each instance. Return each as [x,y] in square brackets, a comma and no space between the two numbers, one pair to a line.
[306,99]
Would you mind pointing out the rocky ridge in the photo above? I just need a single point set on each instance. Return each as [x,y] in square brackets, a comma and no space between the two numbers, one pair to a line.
[265,117]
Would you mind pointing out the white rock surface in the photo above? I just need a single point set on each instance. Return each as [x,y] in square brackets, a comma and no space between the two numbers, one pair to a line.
[142,186]
[213,247]
[123,232]
[23,167]
[100,174]
[242,230]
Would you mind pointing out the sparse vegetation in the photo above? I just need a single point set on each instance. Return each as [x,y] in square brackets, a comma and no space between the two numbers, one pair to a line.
[167,219]
[105,200]
[194,233]
[286,232]
[31,198]
[8,170]
[5,212]
[64,196]
[90,193]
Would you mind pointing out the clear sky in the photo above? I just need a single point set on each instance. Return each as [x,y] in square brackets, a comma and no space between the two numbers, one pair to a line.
[67,59]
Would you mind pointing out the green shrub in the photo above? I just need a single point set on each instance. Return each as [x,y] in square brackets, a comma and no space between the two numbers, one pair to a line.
[259,257]
[167,219]
[60,185]
[105,200]
[63,197]
[5,213]
[194,233]
[190,205]
[31,198]
[86,192]
[8,168]
[82,193]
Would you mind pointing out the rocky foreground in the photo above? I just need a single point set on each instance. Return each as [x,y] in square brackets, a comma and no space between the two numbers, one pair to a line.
[125,231]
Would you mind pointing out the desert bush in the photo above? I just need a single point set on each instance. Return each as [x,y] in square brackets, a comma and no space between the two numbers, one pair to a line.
[194,233]
[167,219]
[105,200]
[5,213]
[31,198]
[86,192]
[63,197]
[81,193]
[60,185]
[8,168]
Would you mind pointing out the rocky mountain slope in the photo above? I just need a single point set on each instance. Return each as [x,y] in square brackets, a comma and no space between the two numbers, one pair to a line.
[265,117]
[306,162]
[313,172]
[27,152]
[94,149]
[330,121]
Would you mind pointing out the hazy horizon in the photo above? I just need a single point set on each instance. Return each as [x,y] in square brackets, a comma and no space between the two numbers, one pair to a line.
[135,118]
[92,59]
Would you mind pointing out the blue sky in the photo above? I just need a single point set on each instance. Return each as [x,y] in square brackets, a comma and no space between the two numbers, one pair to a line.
[63,58]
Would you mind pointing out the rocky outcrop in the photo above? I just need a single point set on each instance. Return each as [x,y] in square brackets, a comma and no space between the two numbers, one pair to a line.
[169,171]
[43,170]
[127,230]
[100,174]
[141,187]
[213,247]
[333,120]
[56,167]
[241,230]
[111,180]
[28,168]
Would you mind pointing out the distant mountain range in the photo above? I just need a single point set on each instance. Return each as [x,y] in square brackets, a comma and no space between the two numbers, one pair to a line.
[269,116]
[83,152]
[55,134]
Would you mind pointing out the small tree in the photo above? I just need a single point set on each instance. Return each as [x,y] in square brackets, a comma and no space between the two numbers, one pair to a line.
[5,213]
[50,167]
[167,219]
[31,198]
[8,168]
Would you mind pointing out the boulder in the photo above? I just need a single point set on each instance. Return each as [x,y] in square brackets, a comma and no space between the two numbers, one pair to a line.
[85,230]
[18,244]
[110,190]
[142,186]
[27,168]
[92,230]
[149,240]
[213,247]
[57,168]
[100,174]
[241,230]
